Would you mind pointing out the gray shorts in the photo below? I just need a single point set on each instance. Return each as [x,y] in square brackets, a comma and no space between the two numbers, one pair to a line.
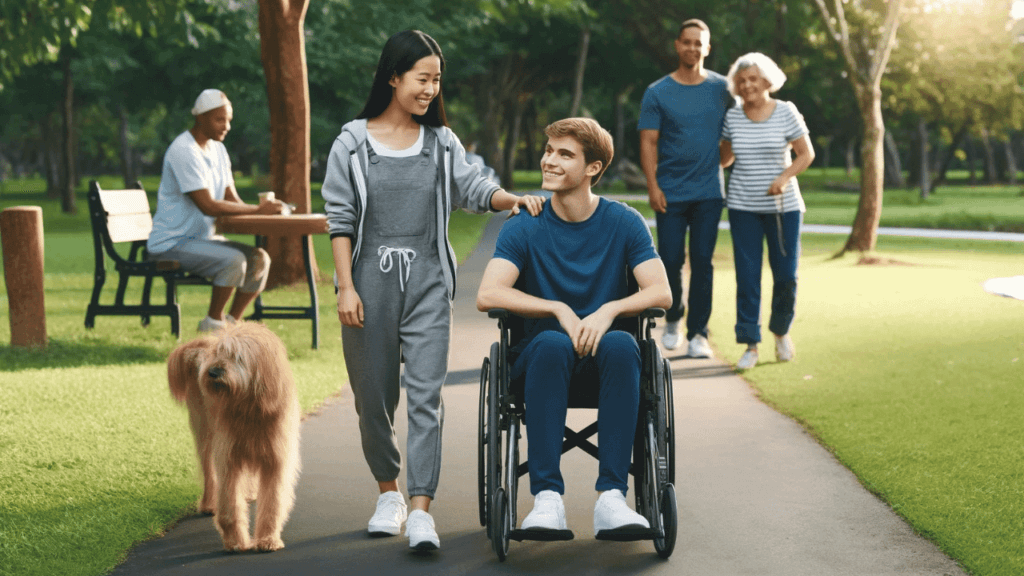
[225,262]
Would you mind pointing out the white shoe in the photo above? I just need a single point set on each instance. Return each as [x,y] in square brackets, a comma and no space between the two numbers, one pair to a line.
[699,348]
[784,349]
[611,513]
[390,514]
[209,324]
[748,360]
[548,512]
[420,531]
[230,319]
[670,339]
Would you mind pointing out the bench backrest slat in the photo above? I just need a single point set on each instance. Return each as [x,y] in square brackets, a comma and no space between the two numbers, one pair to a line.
[128,217]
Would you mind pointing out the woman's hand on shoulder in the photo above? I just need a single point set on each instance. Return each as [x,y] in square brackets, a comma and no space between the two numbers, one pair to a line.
[533,204]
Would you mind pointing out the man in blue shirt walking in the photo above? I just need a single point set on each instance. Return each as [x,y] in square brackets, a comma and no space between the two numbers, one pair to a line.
[681,118]
[571,262]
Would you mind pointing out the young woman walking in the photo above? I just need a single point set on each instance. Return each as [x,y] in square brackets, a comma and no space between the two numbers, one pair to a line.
[394,175]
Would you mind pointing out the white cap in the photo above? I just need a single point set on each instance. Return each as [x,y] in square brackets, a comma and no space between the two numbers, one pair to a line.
[208,100]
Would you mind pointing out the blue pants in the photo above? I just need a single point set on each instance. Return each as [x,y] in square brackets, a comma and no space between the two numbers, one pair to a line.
[548,363]
[701,218]
[749,232]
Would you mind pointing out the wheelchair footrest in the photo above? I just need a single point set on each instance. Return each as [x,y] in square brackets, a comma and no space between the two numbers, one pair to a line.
[627,534]
[541,535]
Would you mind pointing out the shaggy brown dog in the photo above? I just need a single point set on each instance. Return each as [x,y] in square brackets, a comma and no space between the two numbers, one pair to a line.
[245,416]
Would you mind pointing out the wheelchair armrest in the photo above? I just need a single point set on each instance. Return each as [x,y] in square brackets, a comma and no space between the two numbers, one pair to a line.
[498,313]
[652,313]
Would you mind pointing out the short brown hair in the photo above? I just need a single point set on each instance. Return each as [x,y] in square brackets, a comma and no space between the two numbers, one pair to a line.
[694,23]
[596,142]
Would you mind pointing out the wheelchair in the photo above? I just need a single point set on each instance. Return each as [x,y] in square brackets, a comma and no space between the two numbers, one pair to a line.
[502,414]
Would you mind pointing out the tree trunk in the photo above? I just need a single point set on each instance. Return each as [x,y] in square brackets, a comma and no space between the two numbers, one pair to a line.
[515,121]
[487,108]
[947,159]
[67,161]
[864,235]
[283,51]
[990,157]
[127,168]
[1011,162]
[924,165]
[581,67]
[621,99]
[972,172]
[893,165]
[51,156]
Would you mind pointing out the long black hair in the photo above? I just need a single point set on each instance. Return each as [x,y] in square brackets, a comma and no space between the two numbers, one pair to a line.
[401,52]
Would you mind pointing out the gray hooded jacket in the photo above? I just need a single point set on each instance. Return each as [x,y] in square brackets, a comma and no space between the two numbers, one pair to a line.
[459,185]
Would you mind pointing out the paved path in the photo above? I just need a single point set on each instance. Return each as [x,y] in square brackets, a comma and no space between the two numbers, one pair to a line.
[757,495]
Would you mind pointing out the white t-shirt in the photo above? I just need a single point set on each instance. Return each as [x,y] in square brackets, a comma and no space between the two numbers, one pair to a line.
[762,152]
[188,168]
[383,150]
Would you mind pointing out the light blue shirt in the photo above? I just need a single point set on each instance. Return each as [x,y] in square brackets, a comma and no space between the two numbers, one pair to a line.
[188,168]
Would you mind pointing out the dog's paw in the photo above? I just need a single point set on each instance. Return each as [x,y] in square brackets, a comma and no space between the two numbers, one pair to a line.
[269,544]
[207,508]
[237,545]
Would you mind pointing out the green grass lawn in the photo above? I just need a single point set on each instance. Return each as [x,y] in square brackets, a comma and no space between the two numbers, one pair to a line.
[96,456]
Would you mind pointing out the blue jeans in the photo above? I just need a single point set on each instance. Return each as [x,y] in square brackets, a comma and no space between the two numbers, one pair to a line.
[702,219]
[749,232]
[549,363]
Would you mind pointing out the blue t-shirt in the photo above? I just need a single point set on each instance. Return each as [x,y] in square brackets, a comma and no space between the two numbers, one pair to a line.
[689,121]
[582,264]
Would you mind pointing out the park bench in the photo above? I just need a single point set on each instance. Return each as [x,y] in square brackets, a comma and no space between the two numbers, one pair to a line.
[119,217]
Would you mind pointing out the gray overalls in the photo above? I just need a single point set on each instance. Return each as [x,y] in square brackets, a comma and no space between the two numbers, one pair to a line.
[406,313]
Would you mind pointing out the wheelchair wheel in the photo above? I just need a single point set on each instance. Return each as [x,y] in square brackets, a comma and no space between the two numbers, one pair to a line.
[500,524]
[481,444]
[493,432]
[670,422]
[669,522]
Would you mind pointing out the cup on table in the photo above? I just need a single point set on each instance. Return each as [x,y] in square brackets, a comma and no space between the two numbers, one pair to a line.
[266,196]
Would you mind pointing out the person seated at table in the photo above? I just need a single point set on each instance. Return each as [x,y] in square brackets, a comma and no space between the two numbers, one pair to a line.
[571,259]
[196,186]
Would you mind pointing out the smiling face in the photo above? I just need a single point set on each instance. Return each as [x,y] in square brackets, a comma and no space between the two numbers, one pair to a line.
[693,46]
[215,124]
[564,167]
[751,86]
[417,88]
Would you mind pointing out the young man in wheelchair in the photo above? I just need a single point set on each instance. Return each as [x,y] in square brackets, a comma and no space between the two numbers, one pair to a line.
[570,262]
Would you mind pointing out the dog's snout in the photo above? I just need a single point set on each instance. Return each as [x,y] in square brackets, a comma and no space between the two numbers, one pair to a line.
[215,372]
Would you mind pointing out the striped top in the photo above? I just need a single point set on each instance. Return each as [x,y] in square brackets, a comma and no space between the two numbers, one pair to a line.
[762,152]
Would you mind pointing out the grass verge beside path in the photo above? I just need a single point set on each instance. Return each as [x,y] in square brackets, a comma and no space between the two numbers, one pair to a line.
[910,375]
[96,456]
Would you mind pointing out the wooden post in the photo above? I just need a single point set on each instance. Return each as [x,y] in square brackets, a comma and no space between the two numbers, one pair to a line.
[21,234]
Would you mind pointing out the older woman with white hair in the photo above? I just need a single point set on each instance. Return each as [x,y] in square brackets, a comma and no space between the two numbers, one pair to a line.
[764,199]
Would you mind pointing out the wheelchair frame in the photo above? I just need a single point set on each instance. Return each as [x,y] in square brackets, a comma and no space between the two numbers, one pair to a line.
[502,416]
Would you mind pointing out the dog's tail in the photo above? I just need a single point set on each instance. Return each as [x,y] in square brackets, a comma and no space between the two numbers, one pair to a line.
[183,367]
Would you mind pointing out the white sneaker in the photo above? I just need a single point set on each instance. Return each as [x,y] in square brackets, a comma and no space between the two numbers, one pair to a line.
[748,360]
[230,319]
[548,512]
[670,339]
[699,348]
[784,349]
[209,324]
[611,513]
[420,531]
[387,519]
